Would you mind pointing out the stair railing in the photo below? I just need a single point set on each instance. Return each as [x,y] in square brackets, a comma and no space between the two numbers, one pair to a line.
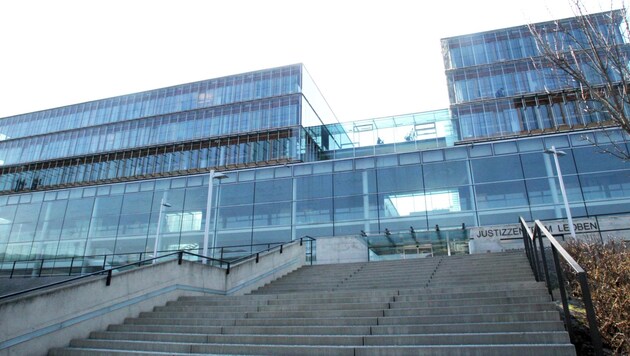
[535,251]
[76,265]
[180,257]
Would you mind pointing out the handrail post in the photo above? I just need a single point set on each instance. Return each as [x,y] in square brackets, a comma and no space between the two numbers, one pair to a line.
[301,241]
[257,256]
[109,278]
[227,270]
[563,294]
[525,230]
[12,269]
[39,274]
[527,245]
[590,314]
[538,233]
[535,253]
[71,263]
[281,248]
[180,257]
[104,262]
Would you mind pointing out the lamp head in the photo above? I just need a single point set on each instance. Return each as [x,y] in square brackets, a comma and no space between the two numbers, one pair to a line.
[553,151]
[219,175]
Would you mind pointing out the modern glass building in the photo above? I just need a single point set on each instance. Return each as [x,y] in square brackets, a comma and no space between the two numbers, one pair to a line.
[96,178]
[499,85]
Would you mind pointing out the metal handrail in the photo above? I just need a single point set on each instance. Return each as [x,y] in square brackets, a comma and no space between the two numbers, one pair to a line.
[257,254]
[105,257]
[179,254]
[533,240]
[105,271]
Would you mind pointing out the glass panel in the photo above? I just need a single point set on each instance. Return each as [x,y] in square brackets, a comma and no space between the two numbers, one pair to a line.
[547,190]
[311,187]
[446,174]
[613,185]
[496,169]
[353,183]
[236,194]
[137,203]
[500,195]
[235,217]
[355,208]
[273,190]
[313,211]
[543,165]
[399,179]
[107,205]
[272,214]
[593,159]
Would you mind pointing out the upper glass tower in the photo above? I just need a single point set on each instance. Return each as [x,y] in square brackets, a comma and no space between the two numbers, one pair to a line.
[499,85]
[255,118]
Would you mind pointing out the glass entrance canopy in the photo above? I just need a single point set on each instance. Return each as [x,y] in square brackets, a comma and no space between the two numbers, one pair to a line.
[417,244]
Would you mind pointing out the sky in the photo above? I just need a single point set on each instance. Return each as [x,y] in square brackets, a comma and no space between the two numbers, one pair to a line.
[369,58]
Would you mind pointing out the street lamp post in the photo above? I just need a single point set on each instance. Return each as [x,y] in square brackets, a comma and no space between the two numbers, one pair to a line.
[556,153]
[206,230]
[163,204]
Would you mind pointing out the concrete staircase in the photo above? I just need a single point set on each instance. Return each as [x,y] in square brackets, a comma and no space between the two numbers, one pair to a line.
[468,305]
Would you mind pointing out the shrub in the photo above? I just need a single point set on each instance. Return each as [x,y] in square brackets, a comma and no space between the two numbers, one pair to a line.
[608,269]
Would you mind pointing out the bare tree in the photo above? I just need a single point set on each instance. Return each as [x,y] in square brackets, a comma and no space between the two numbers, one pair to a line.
[591,55]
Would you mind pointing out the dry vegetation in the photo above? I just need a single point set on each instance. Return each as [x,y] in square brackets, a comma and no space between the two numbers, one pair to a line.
[608,268]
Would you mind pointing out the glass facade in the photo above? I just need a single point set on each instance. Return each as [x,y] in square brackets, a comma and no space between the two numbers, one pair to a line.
[499,85]
[244,120]
[90,179]
[483,184]
[215,92]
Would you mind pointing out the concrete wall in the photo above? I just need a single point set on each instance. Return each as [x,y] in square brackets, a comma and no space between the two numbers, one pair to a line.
[248,276]
[32,324]
[341,249]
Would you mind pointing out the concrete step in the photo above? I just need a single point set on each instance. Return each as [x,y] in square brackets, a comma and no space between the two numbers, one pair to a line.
[317,313]
[476,309]
[226,349]
[348,330]
[433,303]
[494,317]
[535,291]
[187,314]
[484,287]
[472,305]
[548,337]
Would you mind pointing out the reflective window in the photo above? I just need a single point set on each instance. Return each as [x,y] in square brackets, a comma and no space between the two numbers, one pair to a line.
[497,169]
[236,194]
[272,214]
[355,207]
[500,195]
[353,183]
[311,187]
[584,159]
[606,185]
[274,190]
[543,165]
[446,174]
[137,203]
[314,211]
[235,216]
[400,178]
[547,190]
